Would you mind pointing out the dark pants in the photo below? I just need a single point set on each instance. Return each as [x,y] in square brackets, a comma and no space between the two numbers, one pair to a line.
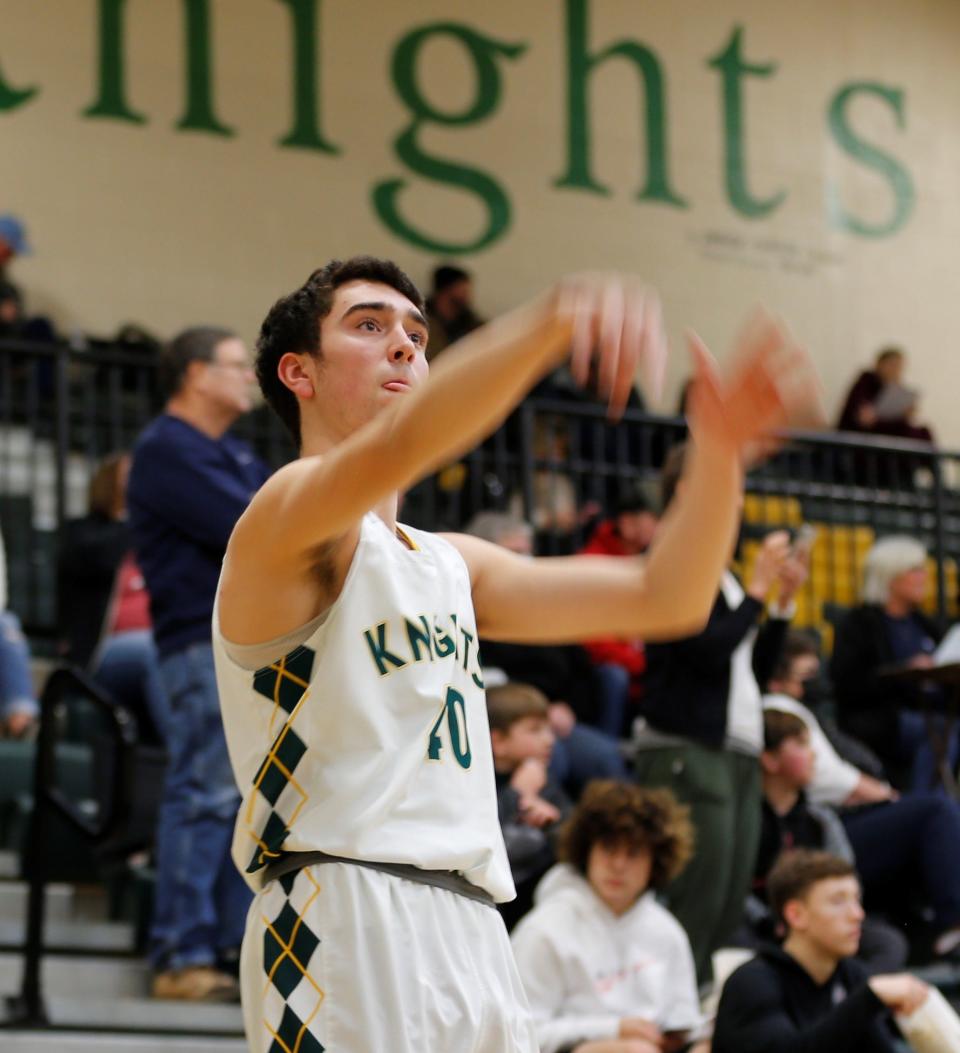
[722,790]
[909,846]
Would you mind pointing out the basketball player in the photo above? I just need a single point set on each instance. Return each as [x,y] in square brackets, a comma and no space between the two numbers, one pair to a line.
[350,682]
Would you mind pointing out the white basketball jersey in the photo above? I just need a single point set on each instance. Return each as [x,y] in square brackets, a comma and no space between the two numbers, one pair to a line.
[370,739]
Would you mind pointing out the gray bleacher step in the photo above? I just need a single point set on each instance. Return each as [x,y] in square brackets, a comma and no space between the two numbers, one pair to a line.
[107,936]
[57,1041]
[13,900]
[9,865]
[80,978]
[144,1014]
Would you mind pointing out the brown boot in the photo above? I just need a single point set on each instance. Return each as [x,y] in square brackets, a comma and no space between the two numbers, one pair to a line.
[196,983]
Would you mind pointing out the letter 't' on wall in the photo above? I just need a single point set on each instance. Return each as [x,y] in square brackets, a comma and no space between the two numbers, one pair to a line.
[483,52]
[732,70]
[896,175]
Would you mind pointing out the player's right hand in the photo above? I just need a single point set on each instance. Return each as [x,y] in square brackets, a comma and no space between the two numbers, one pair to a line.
[617,321]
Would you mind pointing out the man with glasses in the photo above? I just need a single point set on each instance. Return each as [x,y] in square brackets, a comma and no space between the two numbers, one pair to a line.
[189,483]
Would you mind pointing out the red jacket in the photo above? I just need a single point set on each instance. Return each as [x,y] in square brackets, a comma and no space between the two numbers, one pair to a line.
[605,541]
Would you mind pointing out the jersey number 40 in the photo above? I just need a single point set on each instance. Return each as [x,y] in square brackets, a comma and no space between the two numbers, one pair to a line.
[455,713]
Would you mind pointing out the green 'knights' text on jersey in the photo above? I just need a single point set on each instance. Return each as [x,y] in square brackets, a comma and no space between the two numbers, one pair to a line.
[370,739]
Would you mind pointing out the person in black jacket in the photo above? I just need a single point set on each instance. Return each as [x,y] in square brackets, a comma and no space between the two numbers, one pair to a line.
[889,629]
[702,733]
[811,995]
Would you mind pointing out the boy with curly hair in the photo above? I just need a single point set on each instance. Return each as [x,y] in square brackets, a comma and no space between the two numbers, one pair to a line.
[606,968]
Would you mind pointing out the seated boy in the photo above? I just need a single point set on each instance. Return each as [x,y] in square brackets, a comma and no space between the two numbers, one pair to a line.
[791,821]
[529,803]
[906,848]
[812,994]
[605,967]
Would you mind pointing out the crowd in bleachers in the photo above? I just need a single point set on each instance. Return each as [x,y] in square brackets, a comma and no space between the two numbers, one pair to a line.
[660,801]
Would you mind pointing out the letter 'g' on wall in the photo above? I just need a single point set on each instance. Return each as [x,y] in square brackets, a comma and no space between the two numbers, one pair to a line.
[484,52]
[901,184]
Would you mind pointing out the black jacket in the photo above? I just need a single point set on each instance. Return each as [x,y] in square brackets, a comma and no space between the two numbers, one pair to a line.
[773,1005]
[687,682]
[868,705]
[91,551]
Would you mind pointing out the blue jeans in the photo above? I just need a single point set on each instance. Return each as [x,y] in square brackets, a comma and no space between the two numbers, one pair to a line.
[614,699]
[585,754]
[128,667]
[900,843]
[915,744]
[201,901]
[16,684]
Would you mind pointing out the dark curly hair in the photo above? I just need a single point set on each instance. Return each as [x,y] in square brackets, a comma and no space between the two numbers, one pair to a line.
[293,323]
[612,812]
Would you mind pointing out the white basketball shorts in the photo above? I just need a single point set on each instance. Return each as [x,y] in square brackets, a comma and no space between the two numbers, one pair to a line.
[345,959]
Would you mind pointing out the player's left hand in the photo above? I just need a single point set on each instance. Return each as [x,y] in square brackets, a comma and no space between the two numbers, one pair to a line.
[771,384]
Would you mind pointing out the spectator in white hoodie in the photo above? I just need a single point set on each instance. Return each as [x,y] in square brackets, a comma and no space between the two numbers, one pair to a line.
[605,967]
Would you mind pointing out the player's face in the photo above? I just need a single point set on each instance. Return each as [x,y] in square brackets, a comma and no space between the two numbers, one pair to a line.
[830,915]
[372,351]
[619,873]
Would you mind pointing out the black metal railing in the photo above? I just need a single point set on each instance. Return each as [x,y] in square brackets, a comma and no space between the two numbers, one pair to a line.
[64,687]
[556,461]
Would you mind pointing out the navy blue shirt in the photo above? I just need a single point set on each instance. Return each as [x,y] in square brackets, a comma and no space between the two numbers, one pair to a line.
[185,494]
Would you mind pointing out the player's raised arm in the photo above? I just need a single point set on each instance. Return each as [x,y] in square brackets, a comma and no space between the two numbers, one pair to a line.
[370,427]
[672,591]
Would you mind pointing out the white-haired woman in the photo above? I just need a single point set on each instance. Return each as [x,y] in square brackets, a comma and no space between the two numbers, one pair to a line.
[888,629]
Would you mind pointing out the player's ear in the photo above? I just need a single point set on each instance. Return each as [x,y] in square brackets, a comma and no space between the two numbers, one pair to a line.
[294,374]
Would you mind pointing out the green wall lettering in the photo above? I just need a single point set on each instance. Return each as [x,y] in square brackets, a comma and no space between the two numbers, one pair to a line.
[901,184]
[199,115]
[732,68]
[305,130]
[484,52]
[580,65]
[11,98]
[111,98]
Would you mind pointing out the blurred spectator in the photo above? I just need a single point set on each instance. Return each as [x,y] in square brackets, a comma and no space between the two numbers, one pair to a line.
[18,703]
[555,512]
[907,848]
[104,608]
[880,404]
[812,995]
[888,629]
[564,674]
[14,322]
[702,732]
[189,483]
[450,310]
[605,967]
[620,663]
[13,242]
[792,821]
[529,803]
[847,771]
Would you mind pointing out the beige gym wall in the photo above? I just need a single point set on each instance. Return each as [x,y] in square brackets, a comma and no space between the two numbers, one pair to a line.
[146,222]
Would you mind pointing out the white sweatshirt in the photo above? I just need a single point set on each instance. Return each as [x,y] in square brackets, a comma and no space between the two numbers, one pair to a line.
[585,968]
